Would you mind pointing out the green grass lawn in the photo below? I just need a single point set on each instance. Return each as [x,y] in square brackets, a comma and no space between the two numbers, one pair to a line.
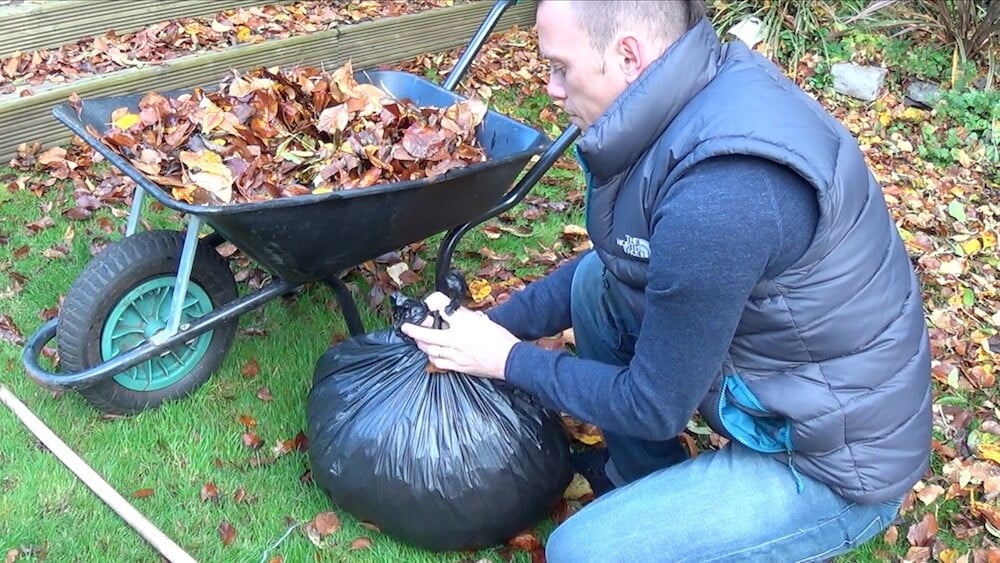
[175,450]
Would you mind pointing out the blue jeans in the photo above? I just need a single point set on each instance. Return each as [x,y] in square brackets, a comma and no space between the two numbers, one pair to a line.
[732,504]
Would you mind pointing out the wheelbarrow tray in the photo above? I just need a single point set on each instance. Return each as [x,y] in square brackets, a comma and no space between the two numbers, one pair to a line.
[317,236]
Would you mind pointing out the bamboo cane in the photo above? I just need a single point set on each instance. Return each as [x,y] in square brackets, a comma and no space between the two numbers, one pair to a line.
[101,488]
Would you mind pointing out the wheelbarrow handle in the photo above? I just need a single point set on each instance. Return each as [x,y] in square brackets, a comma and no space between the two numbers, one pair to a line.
[485,29]
[512,198]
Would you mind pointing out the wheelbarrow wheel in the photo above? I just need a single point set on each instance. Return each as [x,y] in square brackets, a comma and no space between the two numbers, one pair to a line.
[122,298]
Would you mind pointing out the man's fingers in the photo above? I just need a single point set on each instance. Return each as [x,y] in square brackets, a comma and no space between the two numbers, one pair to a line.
[437,301]
[422,334]
[446,365]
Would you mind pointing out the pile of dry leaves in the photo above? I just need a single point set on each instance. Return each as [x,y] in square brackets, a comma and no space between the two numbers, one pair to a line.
[274,133]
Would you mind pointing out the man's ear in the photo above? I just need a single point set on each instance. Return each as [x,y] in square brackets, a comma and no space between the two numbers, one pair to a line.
[633,57]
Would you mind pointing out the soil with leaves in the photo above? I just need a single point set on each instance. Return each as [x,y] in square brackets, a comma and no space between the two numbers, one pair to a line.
[20,72]
[946,207]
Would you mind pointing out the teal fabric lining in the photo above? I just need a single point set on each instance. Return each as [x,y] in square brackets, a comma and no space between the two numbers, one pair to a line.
[750,424]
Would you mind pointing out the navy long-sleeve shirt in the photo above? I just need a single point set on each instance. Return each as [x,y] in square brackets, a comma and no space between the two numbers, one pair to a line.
[728,223]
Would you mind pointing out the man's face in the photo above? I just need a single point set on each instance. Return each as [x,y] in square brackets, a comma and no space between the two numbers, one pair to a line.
[583,81]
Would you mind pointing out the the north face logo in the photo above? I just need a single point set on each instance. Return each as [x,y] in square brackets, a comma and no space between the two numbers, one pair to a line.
[635,246]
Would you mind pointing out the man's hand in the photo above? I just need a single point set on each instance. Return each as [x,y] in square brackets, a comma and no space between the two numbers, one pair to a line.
[471,344]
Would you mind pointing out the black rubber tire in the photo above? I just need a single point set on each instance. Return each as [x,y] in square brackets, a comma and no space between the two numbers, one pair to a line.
[111,275]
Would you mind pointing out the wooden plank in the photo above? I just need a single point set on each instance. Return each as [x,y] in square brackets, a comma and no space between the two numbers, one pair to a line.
[43,24]
[382,41]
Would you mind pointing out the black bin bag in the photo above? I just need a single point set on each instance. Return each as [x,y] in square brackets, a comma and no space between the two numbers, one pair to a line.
[441,461]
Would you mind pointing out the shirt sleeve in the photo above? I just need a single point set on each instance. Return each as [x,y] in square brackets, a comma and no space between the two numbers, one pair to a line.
[717,232]
[541,308]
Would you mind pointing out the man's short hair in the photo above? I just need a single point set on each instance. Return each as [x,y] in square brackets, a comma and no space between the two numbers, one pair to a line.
[664,20]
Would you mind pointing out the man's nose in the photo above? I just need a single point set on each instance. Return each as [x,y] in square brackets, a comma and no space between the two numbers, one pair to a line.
[556,91]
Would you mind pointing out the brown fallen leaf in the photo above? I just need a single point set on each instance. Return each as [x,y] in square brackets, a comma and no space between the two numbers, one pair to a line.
[361,543]
[227,533]
[12,555]
[525,541]
[9,331]
[41,224]
[930,493]
[921,533]
[76,103]
[988,512]
[143,493]
[239,495]
[370,526]
[326,523]
[891,535]
[252,441]
[210,492]
[918,554]
[264,394]
[301,442]
[247,420]
[563,510]
[251,369]
[56,252]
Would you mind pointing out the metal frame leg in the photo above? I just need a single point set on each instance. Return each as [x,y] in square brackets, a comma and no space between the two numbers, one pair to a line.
[347,306]
[183,280]
[133,215]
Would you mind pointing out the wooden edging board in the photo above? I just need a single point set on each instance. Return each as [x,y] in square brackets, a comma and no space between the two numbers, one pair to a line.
[44,24]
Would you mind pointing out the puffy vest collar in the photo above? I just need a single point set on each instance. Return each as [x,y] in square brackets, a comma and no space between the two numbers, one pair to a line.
[644,110]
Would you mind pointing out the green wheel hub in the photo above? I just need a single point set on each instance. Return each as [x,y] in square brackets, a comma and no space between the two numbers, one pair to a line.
[141,313]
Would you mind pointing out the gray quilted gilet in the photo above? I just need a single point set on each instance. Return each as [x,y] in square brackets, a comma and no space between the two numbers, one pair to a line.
[836,346]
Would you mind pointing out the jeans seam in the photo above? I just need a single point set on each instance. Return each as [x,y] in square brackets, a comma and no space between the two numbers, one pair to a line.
[851,543]
[792,535]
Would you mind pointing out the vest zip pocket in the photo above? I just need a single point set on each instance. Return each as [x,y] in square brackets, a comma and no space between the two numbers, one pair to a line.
[751,425]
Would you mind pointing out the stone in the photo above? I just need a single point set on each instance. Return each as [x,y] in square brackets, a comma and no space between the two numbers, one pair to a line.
[923,94]
[862,82]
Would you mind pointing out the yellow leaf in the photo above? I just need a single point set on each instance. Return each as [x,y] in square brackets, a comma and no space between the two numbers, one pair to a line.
[948,556]
[578,488]
[127,120]
[243,33]
[963,158]
[590,439]
[206,170]
[480,290]
[989,239]
[884,118]
[990,452]
[913,114]
[971,246]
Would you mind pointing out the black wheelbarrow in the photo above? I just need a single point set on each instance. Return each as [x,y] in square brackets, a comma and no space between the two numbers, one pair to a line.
[151,317]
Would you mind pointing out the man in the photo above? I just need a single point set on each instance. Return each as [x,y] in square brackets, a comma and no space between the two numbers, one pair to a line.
[746,268]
